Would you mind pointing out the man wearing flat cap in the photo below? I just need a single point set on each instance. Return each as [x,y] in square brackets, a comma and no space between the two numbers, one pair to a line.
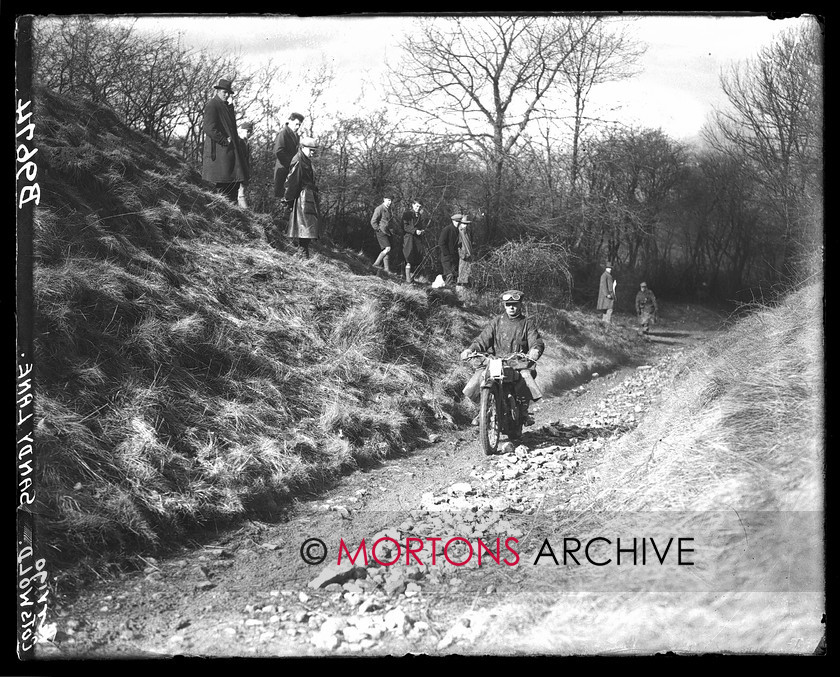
[448,243]
[606,292]
[647,309]
[224,163]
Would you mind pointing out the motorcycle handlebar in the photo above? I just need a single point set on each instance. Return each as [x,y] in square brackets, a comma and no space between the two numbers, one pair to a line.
[506,357]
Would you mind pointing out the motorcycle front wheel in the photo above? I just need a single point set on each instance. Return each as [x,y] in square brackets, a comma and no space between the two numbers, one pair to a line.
[488,421]
[514,419]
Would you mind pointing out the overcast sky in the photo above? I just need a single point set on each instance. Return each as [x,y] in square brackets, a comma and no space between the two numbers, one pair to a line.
[676,88]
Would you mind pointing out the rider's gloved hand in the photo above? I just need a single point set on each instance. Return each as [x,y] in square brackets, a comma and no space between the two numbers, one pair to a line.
[533,354]
[464,353]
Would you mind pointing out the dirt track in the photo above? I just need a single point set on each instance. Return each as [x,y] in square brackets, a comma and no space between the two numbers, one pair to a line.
[248,591]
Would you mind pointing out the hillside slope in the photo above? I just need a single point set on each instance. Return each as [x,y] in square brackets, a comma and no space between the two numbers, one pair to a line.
[189,372]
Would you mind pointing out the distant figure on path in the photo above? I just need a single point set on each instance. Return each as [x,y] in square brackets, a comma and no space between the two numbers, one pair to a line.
[382,224]
[300,197]
[646,308]
[223,163]
[285,146]
[606,292]
[412,242]
[247,130]
[448,243]
[465,254]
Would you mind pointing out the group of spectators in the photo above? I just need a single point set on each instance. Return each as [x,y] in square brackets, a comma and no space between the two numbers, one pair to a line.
[403,250]
[226,164]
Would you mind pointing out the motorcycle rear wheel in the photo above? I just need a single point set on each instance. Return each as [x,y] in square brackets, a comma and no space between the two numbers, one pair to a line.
[488,421]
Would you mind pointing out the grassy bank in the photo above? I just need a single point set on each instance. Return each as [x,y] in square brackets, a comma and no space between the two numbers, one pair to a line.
[743,427]
[188,372]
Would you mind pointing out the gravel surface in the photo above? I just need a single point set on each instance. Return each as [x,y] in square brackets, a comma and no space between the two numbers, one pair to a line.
[249,592]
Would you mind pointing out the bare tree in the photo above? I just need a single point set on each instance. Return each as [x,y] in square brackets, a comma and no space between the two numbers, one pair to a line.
[482,79]
[83,54]
[603,54]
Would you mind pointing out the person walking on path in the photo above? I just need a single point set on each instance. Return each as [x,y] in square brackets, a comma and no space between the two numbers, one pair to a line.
[300,197]
[647,309]
[465,254]
[382,224]
[223,161]
[412,239]
[448,243]
[606,292]
[285,147]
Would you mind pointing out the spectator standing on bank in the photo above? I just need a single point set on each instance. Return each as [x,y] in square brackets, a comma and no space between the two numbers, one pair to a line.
[397,241]
[412,239]
[647,309]
[300,197]
[285,146]
[223,161]
[382,224]
[606,292]
[465,253]
[448,243]
[247,131]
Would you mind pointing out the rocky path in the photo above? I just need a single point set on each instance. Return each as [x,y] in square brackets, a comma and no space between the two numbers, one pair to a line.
[427,586]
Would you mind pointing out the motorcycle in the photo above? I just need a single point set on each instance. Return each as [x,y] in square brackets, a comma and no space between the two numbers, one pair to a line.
[499,411]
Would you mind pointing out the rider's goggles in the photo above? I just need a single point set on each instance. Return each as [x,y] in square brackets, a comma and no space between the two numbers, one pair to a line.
[515,298]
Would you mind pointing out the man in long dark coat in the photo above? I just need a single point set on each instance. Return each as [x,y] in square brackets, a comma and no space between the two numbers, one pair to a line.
[448,243]
[412,242]
[285,146]
[224,163]
[300,197]
[606,292]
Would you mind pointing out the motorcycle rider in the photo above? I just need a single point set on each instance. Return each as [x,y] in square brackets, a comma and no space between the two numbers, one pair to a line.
[511,332]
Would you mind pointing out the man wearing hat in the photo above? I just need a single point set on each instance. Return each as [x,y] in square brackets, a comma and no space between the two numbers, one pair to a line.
[412,240]
[465,253]
[646,308]
[300,197]
[448,243]
[285,146]
[606,292]
[224,163]
[508,333]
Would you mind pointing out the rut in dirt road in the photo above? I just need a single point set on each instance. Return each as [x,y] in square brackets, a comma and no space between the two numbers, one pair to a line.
[416,604]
